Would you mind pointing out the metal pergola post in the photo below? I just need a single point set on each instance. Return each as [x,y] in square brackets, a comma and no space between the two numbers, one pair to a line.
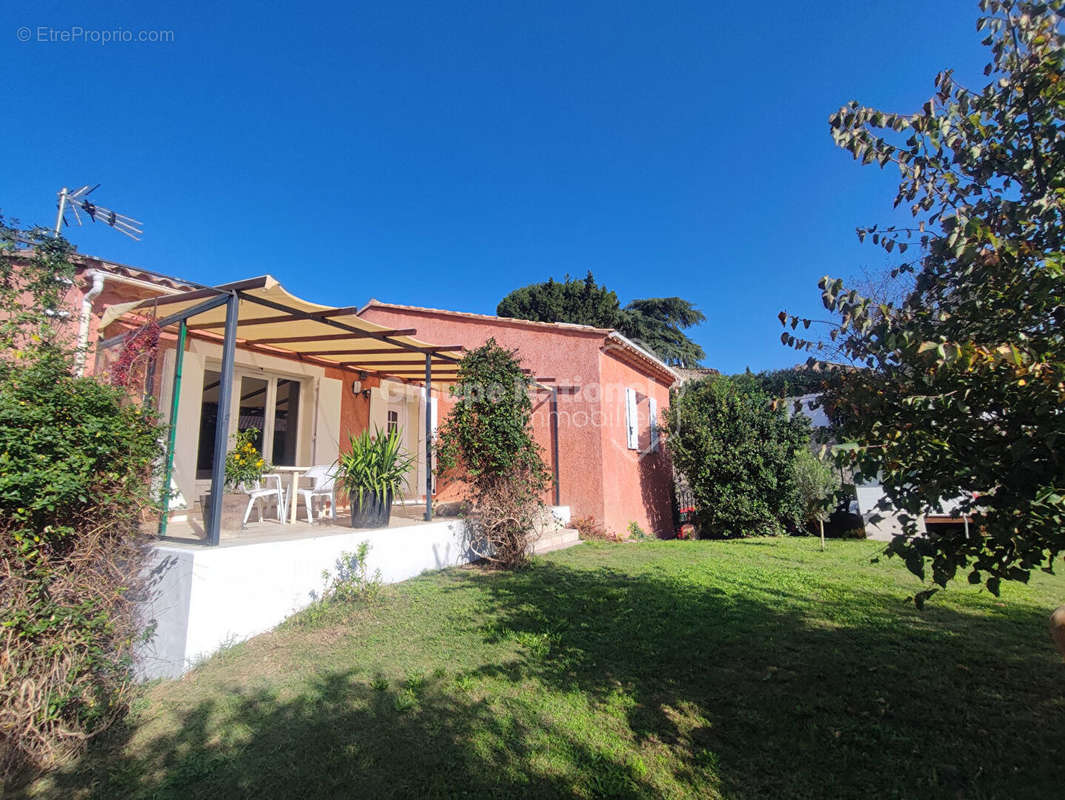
[428,437]
[171,438]
[221,428]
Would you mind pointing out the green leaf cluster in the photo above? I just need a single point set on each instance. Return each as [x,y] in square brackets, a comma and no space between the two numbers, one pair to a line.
[736,451]
[816,483]
[244,463]
[961,388]
[487,441]
[657,324]
[489,431]
[374,464]
[75,465]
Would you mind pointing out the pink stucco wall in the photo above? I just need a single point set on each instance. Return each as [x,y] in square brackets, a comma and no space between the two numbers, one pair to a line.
[598,475]
[638,484]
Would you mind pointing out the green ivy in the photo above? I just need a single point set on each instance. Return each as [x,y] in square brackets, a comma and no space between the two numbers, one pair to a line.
[487,441]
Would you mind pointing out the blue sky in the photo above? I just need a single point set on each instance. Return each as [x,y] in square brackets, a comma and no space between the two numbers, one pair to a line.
[443,154]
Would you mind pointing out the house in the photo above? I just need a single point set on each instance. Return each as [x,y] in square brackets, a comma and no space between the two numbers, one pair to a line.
[598,399]
[597,418]
[249,354]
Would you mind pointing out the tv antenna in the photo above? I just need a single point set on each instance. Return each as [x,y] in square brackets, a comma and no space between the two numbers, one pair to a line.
[79,198]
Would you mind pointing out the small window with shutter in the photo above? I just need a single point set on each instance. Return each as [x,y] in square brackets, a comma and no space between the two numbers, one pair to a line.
[631,418]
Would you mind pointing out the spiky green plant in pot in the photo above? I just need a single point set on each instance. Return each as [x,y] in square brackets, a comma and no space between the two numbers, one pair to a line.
[371,471]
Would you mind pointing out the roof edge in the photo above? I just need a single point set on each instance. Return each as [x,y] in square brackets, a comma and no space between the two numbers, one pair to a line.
[646,355]
[564,326]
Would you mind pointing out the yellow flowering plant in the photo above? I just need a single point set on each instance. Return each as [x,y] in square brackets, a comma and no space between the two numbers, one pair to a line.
[244,462]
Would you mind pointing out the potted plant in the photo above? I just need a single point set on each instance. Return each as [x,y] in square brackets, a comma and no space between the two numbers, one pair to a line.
[371,471]
[244,465]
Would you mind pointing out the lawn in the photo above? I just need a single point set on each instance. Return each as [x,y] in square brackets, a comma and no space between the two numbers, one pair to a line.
[753,668]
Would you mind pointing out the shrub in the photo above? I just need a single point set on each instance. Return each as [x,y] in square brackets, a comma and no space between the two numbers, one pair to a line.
[816,484]
[75,463]
[487,438]
[591,529]
[352,580]
[244,463]
[636,533]
[736,452]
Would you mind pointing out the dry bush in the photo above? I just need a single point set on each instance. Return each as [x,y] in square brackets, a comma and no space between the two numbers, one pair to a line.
[65,666]
[591,529]
[506,512]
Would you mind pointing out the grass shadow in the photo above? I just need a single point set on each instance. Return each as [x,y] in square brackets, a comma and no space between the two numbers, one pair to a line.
[634,671]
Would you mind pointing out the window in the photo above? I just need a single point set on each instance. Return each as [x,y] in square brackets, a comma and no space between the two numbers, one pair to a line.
[392,422]
[268,403]
[632,432]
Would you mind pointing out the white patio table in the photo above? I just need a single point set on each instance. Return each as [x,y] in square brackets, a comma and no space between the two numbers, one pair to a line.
[293,496]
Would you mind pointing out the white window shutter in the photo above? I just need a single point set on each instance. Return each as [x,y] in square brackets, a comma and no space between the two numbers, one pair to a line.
[631,419]
[652,406]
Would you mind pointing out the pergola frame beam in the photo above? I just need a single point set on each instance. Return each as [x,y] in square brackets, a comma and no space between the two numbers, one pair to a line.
[181,316]
[334,337]
[333,323]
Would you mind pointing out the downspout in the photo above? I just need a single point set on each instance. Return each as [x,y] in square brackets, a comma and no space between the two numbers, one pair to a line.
[98,279]
[554,443]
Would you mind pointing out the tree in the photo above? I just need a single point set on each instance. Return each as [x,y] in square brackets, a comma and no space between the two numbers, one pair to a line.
[75,463]
[816,484]
[736,451]
[487,441]
[791,382]
[582,302]
[962,390]
[656,323]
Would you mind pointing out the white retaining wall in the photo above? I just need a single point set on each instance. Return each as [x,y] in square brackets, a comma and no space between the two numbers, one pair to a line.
[203,598]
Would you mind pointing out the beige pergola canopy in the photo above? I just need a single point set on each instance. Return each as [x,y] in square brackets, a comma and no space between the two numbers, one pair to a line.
[271,320]
[259,315]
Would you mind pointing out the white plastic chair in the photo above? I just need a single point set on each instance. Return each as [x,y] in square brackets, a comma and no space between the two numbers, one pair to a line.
[324,486]
[265,488]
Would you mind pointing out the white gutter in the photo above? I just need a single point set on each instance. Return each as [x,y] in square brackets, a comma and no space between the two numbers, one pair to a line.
[99,277]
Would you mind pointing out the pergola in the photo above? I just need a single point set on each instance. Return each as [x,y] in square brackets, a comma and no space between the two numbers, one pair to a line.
[261,316]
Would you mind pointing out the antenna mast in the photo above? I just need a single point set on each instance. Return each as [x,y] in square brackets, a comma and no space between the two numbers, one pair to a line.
[79,199]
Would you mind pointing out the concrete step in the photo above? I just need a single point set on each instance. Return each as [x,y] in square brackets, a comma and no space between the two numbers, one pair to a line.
[566,537]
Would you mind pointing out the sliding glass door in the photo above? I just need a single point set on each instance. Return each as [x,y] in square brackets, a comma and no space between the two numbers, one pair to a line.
[269,404]
[286,415]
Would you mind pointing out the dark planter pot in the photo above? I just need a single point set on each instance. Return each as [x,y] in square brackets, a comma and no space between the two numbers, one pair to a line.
[233,507]
[373,512]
